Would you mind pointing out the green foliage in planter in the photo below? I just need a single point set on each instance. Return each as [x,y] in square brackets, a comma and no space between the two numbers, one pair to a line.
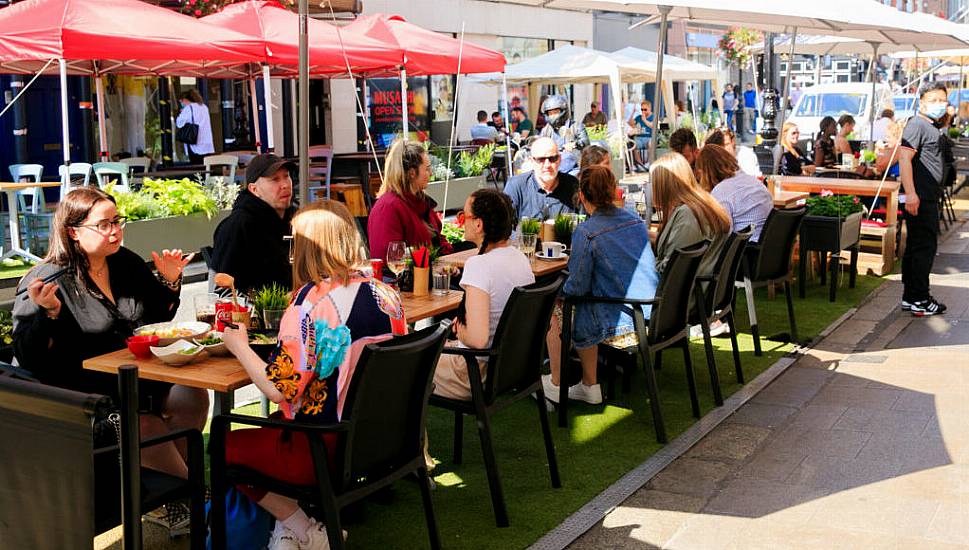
[564,225]
[6,328]
[474,164]
[599,132]
[833,206]
[954,133]
[530,226]
[270,298]
[452,232]
[159,198]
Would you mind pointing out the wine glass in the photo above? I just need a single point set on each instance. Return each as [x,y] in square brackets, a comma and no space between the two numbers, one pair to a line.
[397,258]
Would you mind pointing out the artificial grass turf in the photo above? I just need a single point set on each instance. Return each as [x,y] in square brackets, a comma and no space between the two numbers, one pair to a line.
[601,444]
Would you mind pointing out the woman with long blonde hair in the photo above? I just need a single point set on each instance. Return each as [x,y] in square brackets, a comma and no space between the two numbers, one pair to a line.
[690,214]
[337,308]
[403,212]
[793,161]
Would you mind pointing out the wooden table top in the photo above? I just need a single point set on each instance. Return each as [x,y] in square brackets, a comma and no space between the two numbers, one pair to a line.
[417,308]
[539,267]
[789,199]
[18,185]
[222,374]
[840,186]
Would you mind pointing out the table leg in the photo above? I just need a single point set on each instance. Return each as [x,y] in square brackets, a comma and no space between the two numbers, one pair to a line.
[223,403]
[15,244]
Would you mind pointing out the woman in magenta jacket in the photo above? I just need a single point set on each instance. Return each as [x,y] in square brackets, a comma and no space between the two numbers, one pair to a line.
[403,212]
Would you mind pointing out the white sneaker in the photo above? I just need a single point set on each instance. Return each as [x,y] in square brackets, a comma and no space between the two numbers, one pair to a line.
[316,538]
[696,331]
[589,394]
[550,389]
[283,538]
[718,328]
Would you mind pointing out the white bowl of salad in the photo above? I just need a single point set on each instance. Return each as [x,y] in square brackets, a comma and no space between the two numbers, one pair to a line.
[181,352]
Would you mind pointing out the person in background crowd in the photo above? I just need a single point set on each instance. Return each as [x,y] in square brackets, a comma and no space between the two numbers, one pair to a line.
[544,192]
[683,118]
[886,151]
[523,126]
[921,168]
[683,142]
[259,221]
[403,212]
[824,154]
[642,124]
[745,199]
[570,136]
[611,256]
[690,213]
[106,292]
[488,280]
[335,295]
[195,111]
[886,117]
[745,156]
[750,109]
[841,144]
[498,123]
[594,117]
[482,131]
[595,155]
[540,119]
[729,104]
[793,161]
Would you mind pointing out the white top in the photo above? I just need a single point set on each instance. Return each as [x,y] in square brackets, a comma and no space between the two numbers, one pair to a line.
[198,113]
[880,128]
[481,130]
[746,200]
[497,272]
[747,159]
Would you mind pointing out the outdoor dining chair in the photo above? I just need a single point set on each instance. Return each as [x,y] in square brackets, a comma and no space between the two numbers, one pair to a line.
[112,172]
[29,200]
[716,303]
[667,327]
[143,164]
[514,373]
[78,174]
[224,163]
[49,452]
[380,437]
[769,261]
[324,173]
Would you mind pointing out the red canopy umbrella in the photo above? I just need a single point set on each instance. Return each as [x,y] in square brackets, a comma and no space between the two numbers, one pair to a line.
[424,52]
[117,36]
[278,28]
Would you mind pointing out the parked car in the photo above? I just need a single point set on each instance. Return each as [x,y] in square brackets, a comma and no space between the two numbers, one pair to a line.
[836,99]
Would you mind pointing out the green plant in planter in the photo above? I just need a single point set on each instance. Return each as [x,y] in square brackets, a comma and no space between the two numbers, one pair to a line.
[269,298]
[530,226]
[833,206]
[159,198]
[6,328]
[564,226]
[954,133]
[474,164]
[599,132]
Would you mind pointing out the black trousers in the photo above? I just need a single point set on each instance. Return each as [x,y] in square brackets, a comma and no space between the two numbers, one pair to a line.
[920,248]
[194,158]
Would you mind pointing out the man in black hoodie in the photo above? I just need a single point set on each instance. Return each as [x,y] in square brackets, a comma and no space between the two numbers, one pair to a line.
[249,244]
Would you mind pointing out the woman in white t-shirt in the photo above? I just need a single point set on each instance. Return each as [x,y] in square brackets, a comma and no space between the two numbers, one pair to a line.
[195,111]
[488,280]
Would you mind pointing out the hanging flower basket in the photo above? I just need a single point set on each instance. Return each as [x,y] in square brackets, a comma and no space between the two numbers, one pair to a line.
[735,45]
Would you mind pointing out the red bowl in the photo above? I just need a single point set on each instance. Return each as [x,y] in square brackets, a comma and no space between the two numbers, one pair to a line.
[139,345]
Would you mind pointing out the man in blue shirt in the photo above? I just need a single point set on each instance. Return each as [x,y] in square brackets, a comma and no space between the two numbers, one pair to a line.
[750,109]
[481,130]
[643,123]
[544,192]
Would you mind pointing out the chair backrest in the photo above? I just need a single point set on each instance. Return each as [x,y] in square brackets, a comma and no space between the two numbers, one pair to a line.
[32,171]
[670,315]
[765,159]
[229,161]
[144,163]
[720,294]
[117,172]
[777,244]
[207,252]
[47,446]
[482,141]
[319,153]
[386,403]
[777,152]
[519,344]
[82,169]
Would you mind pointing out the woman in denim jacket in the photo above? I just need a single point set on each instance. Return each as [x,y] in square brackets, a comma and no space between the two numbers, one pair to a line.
[611,256]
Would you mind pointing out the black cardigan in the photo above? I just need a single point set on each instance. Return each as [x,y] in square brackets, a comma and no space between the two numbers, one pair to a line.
[89,324]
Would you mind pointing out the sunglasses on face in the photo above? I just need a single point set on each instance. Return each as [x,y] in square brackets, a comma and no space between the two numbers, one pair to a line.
[541,160]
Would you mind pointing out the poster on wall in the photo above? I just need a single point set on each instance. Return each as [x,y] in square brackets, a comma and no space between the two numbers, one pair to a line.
[385,109]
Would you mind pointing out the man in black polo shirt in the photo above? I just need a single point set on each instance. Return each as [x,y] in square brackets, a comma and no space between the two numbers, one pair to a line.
[544,192]
[920,169]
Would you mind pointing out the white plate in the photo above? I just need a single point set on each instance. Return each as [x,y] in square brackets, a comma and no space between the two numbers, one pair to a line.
[172,353]
[213,349]
[195,330]
[542,256]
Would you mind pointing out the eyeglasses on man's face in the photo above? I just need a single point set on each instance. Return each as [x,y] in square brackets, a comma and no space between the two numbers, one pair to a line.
[104,227]
[542,160]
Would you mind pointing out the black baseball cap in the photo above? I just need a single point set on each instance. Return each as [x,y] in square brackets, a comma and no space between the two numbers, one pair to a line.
[264,166]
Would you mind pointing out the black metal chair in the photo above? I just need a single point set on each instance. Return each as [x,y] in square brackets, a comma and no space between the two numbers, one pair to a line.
[717,303]
[380,438]
[667,327]
[74,489]
[514,372]
[772,264]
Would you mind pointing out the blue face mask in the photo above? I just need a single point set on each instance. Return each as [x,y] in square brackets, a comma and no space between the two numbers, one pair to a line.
[935,111]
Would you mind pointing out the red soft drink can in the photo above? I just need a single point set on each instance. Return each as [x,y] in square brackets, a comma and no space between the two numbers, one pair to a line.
[223,314]
[378,268]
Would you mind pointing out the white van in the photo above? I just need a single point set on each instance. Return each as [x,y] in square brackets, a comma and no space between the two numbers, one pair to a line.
[834,100]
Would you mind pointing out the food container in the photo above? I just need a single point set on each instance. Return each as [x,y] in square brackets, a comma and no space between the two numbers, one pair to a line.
[139,345]
[170,332]
[181,352]
[217,349]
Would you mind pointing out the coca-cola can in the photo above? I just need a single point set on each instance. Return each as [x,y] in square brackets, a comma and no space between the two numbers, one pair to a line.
[223,314]
[377,265]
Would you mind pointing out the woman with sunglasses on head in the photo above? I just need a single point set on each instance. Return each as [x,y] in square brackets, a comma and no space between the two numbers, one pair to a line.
[794,161]
[106,292]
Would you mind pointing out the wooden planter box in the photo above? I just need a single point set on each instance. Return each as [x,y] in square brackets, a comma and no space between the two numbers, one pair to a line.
[830,234]
[459,189]
[190,233]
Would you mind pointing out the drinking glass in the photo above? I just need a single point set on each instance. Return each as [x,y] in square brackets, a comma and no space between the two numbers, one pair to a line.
[205,308]
[528,245]
[397,258]
[441,281]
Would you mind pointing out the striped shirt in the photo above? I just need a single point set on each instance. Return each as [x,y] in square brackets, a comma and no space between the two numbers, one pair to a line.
[746,200]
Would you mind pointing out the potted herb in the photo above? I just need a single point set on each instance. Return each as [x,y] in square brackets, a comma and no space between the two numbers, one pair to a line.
[173,213]
[269,303]
[529,226]
[564,226]
[465,175]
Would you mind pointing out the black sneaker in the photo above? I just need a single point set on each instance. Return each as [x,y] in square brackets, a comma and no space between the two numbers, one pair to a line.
[906,306]
[175,517]
[926,308]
